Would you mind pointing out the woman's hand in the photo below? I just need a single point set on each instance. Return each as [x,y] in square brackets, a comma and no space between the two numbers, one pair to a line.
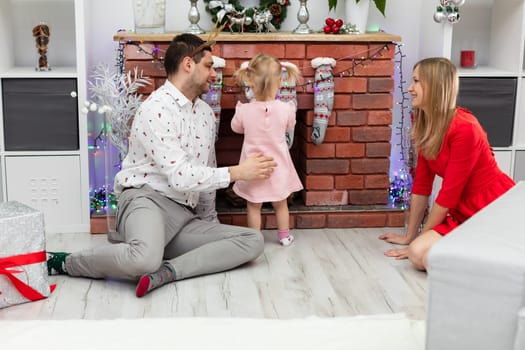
[395,238]
[397,253]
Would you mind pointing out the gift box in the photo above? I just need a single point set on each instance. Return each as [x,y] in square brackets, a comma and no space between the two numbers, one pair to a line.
[23,269]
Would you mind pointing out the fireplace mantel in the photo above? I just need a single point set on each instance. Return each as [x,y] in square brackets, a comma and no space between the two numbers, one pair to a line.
[264,37]
[346,178]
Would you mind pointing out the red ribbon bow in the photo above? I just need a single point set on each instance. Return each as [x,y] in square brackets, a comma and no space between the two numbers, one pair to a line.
[20,260]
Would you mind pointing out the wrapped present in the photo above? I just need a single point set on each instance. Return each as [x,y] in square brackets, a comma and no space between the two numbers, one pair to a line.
[23,270]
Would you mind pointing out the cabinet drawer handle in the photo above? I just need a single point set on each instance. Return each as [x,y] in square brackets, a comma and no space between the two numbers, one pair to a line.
[73,94]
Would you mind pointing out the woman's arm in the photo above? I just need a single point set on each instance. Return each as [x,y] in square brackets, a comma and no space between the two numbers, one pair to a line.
[436,217]
[418,206]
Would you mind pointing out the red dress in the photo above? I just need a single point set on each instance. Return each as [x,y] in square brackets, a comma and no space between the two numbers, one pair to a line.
[471,176]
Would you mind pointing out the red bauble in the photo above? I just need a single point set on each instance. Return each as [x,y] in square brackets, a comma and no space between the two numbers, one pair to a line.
[327,29]
[329,21]
[335,29]
[339,22]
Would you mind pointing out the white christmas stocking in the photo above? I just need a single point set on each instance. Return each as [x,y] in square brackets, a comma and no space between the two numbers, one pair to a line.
[213,96]
[287,92]
[324,96]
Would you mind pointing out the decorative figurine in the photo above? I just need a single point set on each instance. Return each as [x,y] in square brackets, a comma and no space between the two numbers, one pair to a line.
[41,35]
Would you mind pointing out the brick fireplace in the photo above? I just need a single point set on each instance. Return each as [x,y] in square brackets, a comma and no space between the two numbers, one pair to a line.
[346,178]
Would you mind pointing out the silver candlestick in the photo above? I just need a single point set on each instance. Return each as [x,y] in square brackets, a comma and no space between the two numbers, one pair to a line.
[194,17]
[303,16]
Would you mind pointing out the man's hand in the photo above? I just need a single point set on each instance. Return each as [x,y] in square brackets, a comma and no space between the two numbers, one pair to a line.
[256,166]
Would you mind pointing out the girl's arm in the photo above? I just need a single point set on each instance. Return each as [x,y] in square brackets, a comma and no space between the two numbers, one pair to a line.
[236,122]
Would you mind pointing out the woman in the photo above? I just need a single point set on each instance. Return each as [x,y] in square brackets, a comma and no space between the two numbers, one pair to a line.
[450,143]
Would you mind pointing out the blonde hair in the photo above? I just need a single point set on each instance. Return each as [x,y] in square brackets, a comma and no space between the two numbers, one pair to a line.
[440,83]
[263,75]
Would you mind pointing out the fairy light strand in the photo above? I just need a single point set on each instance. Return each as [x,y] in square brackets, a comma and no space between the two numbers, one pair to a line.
[401,183]
[366,56]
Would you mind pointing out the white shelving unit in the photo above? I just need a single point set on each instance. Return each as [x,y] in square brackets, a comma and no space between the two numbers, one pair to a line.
[495,30]
[48,174]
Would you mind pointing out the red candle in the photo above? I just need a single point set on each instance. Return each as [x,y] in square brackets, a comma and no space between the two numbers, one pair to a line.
[468,58]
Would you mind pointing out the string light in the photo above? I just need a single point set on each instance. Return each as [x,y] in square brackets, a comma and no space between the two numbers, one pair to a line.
[102,201]
[366,56]
[401,183]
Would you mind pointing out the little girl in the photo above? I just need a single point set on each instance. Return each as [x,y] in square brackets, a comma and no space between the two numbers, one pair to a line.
[264,122]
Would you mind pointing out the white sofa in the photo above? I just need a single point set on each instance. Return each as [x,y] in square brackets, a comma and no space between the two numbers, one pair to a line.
[476,280]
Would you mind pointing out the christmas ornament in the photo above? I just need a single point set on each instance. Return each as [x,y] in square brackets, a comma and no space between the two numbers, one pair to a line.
[439,15]
[448,11]
[333,26]
[323,96]
[219,9]
[453,15]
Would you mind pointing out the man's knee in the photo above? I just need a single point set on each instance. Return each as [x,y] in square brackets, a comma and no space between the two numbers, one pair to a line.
[255,240]
[142,261]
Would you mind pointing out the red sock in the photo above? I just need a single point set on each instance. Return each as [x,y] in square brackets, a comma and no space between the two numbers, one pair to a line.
[142,286]
[150,281]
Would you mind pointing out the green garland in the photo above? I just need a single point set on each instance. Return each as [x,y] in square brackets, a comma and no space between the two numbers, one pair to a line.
[277,8]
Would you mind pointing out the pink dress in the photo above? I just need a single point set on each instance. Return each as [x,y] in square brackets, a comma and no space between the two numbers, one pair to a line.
[264,125]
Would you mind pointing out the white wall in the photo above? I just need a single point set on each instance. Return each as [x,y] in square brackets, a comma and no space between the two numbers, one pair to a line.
[402,18]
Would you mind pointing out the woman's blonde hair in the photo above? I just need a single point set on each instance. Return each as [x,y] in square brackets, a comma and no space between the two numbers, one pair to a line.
[440,83]
[263,75]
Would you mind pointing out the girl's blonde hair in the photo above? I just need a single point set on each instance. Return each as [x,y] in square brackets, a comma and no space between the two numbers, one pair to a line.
[263,75]
[440,83]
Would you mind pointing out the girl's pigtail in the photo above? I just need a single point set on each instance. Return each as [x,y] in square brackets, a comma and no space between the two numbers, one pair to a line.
[243,77]
[293,73]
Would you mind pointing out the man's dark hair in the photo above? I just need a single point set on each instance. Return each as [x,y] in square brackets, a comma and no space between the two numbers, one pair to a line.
[181,46]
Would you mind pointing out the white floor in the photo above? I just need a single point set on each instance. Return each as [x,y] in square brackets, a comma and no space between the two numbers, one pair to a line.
[326,273]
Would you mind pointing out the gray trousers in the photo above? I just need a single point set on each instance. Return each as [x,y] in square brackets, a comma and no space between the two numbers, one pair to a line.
[152,229]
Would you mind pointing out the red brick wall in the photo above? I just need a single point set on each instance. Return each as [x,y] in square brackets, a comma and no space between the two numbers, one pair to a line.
[351,166]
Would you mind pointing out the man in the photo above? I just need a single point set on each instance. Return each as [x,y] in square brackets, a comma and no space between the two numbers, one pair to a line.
[167,227]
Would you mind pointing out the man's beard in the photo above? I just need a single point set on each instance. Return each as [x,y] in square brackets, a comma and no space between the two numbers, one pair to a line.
[204,88]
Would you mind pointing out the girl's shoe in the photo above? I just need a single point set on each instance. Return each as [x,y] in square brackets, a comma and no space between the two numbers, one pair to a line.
[286,241]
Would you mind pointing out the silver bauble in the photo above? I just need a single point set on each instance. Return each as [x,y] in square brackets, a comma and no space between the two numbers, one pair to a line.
[444,3]
[453,17]
[458,2]
[440,17]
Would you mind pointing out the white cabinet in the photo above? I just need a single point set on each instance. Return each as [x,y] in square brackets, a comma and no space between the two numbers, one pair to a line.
[494,29]
[49,184]
[43,135]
